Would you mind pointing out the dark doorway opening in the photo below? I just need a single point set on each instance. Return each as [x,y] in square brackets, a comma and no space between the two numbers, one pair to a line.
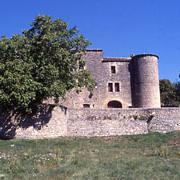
[86,105]
[114,104]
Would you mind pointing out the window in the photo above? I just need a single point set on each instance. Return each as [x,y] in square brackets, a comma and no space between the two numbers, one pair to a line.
[117,89]
[113,69]
[110,87]
[86,105]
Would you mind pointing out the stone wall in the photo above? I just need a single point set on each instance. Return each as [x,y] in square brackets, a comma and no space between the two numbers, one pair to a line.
[55,127]
[105,122]
[102,122]
[165,120]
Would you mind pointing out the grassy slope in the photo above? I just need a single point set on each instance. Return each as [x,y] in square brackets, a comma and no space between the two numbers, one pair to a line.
[154,156]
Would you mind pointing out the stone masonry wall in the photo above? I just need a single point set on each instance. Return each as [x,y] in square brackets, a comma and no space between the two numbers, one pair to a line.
[55,127]
[101,73]
[145,81]
[104,122]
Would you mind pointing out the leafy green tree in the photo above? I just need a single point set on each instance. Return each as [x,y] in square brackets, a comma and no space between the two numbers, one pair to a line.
[169,93]
[40,63]
[177,86]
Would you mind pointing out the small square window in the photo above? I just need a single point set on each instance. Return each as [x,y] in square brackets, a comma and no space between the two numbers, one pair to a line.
[113,69]
[110,87]
[117,89]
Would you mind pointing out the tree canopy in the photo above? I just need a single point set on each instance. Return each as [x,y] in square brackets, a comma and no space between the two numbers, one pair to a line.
[41,62]
[170,93]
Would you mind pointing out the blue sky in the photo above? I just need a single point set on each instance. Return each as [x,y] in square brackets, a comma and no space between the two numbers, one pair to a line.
[119,27]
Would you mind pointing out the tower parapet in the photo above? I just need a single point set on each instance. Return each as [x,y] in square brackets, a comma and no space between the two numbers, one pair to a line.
[145,81]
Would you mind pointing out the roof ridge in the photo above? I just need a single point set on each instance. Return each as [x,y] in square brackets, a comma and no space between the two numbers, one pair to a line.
[117,58]
[95,50]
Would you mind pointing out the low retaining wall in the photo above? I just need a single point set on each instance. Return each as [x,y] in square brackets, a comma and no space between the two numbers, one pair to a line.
[106,122]
[99,122]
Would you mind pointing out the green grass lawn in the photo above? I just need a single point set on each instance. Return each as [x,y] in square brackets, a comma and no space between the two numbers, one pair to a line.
[153,156]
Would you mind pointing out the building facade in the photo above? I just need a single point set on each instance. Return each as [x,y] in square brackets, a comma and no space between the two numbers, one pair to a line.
[120,82]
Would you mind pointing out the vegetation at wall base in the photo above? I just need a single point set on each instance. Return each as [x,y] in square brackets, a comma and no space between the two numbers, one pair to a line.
[151,156]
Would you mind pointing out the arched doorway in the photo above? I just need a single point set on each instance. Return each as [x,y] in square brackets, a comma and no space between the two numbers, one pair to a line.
[114,104]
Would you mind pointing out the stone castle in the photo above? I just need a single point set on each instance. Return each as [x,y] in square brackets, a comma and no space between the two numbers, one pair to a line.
[120,82]
[125,101]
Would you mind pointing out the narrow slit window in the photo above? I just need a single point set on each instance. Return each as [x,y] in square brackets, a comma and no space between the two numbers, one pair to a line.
[117,88]
[113,69]
[110,87]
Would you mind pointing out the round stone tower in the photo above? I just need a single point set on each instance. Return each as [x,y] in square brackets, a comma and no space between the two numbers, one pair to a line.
[145,81]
